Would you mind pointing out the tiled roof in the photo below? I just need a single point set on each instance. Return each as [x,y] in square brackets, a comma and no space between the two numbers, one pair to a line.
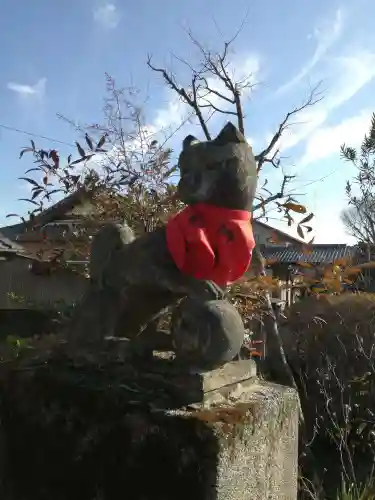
[320,253]
[12,232]
[50,214]
[7,246]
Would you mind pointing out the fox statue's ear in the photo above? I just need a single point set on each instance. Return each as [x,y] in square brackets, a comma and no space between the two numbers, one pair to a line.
[189,141]
[230,134]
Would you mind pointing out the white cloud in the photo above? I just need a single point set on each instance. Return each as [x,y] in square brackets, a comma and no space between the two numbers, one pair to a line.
[172,115]
[107,15]
[350,73]
[27,91]
[326,141]
[325,35]
[252,141]
[328,227]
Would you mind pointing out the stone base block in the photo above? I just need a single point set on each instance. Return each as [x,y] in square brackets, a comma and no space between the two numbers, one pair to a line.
[86,433]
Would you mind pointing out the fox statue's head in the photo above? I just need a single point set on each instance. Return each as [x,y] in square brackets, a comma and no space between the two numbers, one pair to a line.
[220,172]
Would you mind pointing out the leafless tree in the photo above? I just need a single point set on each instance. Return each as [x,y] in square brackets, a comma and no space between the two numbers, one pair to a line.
[121,155]
[359,221]
[213,89]
[120,162]
[359,218]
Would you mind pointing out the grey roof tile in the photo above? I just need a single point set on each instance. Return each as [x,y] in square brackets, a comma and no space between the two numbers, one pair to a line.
[319,253]
[12,232]
[8,246]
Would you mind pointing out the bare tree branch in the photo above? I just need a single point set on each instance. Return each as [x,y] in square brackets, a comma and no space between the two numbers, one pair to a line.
[216,92]
[218,110]
[192,102]
[313,98]
[217,66]
[274,160]
[214,66]
[213,89]
[277,196]
[359,222]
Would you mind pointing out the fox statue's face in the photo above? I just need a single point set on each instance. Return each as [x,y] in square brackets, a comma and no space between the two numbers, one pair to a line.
[221,172]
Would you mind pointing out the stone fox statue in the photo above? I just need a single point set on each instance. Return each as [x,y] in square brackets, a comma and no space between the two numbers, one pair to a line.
[197,254]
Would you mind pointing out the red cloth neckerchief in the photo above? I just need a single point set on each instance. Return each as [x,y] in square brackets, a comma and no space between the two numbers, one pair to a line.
[211,243]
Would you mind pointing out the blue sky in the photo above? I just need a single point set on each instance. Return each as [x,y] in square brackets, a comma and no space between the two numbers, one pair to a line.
[55,55]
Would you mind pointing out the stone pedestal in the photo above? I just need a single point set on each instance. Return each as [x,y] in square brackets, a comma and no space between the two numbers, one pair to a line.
[160,435]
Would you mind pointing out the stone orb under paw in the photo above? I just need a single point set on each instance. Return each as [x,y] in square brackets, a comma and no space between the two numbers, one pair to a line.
[206,334]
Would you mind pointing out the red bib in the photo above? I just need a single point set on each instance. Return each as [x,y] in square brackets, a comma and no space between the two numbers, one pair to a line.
[211,243]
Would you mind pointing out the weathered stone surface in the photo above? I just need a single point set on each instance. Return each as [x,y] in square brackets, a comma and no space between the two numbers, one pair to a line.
[85,432]
[206,334]
[228,375]
[259,451]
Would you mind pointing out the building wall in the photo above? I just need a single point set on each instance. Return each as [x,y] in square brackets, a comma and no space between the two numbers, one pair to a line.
[17,278]
[263,234]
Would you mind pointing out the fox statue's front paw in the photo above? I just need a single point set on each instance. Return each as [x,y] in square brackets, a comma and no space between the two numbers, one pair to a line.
[206,334]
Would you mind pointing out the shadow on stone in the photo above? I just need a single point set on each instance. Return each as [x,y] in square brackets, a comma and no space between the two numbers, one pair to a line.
[93,430]
[66,441]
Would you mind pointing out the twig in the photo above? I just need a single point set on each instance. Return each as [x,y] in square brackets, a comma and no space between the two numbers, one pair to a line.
[183,94]
[313,99]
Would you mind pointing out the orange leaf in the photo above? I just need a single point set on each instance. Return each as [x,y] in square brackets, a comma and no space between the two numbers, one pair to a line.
[351,270]
[368,265]
[300,209]
[341,262]
[55,157]
[269,262]
[267,279]
[304,264]
[307,249]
